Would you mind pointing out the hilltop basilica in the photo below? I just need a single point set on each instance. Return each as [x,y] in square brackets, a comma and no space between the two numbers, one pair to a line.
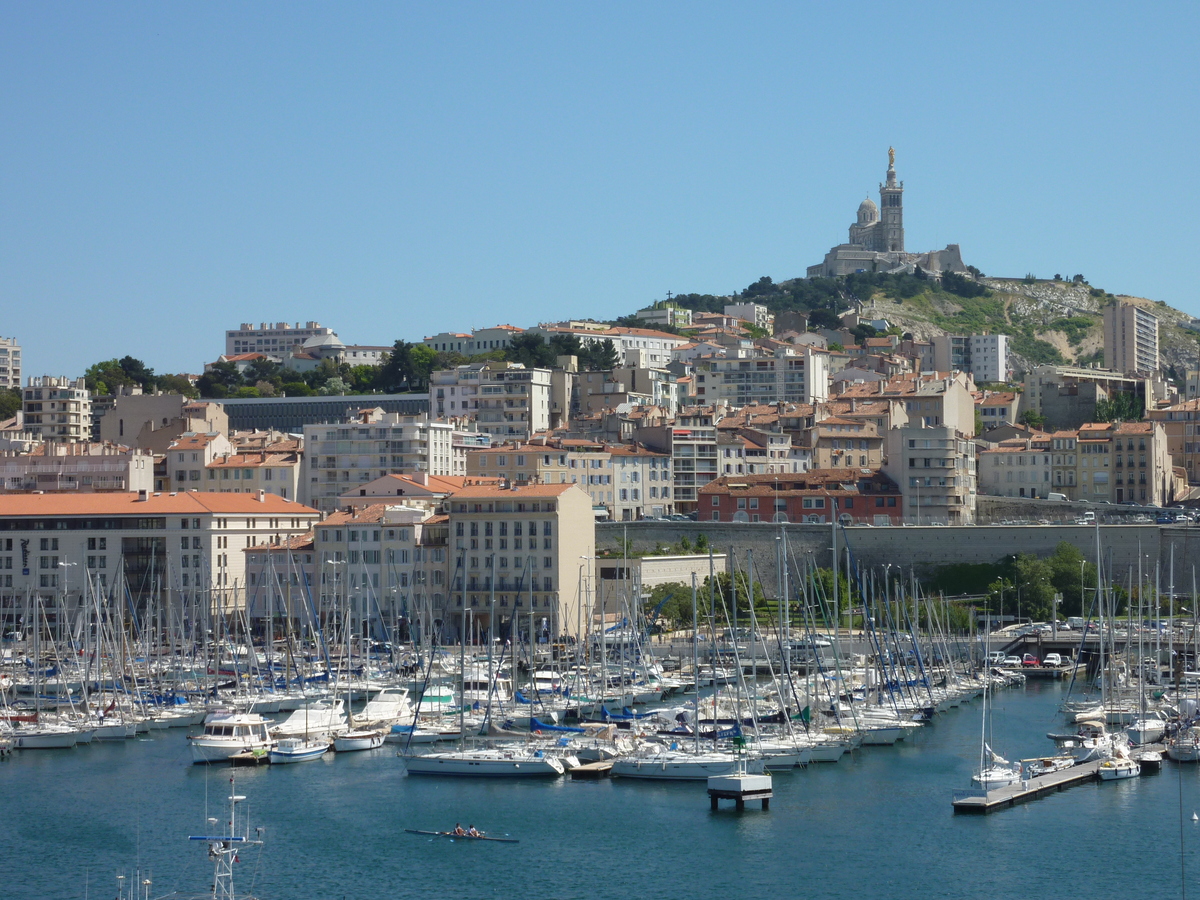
[877,239]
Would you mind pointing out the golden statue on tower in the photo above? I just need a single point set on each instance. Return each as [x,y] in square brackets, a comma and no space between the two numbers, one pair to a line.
[891,157]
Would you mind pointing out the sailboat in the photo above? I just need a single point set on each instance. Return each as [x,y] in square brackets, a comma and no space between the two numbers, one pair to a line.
[994,770]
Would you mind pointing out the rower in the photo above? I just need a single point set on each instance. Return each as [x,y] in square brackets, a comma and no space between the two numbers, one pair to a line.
[458,830]
[472,832]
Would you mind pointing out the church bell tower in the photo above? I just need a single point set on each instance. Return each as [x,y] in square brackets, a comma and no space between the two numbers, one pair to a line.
[891,208]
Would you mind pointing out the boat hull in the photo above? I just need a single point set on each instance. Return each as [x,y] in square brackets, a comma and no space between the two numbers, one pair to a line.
[460,765]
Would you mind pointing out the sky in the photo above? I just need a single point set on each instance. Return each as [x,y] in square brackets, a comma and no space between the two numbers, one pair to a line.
[393,170]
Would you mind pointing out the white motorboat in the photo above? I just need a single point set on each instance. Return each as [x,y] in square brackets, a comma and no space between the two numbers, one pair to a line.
[412,734]
[230,734]
[385,708]
[1046,765]
[358,740]
[498,763]
[317,717]
[296,749]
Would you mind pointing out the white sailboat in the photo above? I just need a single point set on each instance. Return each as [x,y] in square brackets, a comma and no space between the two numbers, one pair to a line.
[994,770]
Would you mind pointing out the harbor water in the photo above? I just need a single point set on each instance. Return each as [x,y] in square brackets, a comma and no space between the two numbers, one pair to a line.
[877,824]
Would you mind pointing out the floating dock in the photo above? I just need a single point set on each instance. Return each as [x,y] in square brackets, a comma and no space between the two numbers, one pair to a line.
[592,771]
[980,801]
[248,758]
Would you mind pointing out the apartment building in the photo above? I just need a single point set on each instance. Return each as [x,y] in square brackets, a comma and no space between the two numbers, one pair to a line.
[273,338]
[1064,462]
[934,465]
[665,313]
[280,580]
[1130,339]
[1021,467]
[180,550]
[837,442]
[792,374]
[58,409]
[997,408]
[566,461]
[342,457]
[187,459]
[80,467]
[1067,395]
[419,490]
[635,346]
[1181,425]
[754,313]
[519,552]
[748,451]
[983,355]
[485,340]
[254,471]
[692,445]
[10,364]
[814,497]
[642,483]
[505,400]
[599,391]
[381,565]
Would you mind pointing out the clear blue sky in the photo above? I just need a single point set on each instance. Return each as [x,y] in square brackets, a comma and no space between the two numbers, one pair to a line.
[393,170]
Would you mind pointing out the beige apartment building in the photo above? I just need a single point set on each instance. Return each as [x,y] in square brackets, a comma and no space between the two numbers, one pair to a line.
[58,409]
[519,552]
[183,549]
[585,463]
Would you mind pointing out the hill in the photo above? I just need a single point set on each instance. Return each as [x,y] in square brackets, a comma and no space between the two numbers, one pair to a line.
[1049,320]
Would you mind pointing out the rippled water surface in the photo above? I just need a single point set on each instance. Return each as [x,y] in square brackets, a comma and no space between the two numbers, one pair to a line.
[872,826]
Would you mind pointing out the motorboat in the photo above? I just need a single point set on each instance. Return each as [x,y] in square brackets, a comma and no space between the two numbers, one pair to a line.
[412,734]
[1046,765]
[316,717]
[230,734]
[357,740]
[296,749]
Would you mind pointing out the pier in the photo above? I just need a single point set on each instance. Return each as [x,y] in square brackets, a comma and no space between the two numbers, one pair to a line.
[592,771]
[980,801]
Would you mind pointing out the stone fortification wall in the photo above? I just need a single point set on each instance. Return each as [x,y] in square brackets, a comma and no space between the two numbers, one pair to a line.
[923,548]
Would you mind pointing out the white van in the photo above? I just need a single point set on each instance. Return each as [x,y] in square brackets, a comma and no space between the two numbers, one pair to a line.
[1054,496]
[1075,623]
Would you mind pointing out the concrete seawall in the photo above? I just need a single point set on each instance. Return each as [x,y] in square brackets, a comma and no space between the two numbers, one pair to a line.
[924,547]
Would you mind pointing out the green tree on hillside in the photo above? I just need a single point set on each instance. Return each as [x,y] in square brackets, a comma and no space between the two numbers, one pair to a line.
[10,402]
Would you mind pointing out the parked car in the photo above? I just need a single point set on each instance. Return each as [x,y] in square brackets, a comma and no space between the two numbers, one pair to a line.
[1029,660]
[1052,659]
[1012,660]
[996,658]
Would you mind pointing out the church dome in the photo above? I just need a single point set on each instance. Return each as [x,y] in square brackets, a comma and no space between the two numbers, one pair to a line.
[868,212]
